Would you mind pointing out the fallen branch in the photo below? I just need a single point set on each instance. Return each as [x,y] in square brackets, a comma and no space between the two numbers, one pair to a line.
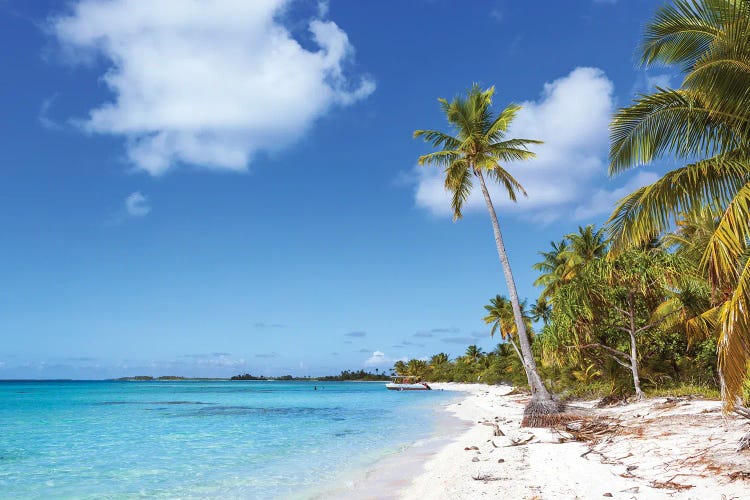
[520,442]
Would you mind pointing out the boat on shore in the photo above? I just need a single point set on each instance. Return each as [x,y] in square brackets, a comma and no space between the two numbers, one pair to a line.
[406,383]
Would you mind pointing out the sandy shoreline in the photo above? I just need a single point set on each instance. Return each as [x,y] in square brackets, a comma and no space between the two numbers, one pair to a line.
[662,449]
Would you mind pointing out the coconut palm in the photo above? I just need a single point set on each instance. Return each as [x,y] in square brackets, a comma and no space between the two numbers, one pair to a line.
[399,367]
[500,316]
[541,310]
[474,353]
[416,368]
[477,149]
[586,245]
[554,267]
[438,359]
[706,121]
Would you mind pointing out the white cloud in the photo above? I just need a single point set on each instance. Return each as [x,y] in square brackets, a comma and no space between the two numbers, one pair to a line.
[137,205]
[603,201]
[646,82]
[217,359]
[44,118]
[572,117]
[379,358]
[207,83]
[662,80]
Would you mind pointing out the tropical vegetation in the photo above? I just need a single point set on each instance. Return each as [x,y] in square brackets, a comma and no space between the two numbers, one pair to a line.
[657,299]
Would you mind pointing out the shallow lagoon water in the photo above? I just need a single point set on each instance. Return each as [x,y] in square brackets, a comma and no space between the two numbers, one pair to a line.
[197,439]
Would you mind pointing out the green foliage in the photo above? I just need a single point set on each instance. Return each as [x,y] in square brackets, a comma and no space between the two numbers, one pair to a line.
[706,121]
[656,292]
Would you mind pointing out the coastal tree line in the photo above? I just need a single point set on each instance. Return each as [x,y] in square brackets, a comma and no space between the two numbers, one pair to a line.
[661,294]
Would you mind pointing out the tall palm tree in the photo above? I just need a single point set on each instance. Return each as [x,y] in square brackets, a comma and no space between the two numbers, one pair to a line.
[554,267]
[500,316]
[541,310]
[438,359]
[474,353]
[478,148]
[399,367]
[586,245]
[706,121]
[416,367]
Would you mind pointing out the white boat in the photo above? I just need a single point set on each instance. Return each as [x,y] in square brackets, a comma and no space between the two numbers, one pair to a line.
[407,384]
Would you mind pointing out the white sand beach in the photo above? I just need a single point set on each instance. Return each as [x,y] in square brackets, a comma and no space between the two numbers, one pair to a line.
[660,448]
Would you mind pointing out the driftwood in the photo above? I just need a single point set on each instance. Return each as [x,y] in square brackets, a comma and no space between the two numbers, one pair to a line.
[519,441]
[495,428]
[486,478]
[744,443]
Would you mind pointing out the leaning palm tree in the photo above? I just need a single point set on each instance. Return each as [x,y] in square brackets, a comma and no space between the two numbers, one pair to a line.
[477,149]
[705,121]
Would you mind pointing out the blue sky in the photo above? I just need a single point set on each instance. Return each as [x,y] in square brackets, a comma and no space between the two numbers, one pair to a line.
[205,192]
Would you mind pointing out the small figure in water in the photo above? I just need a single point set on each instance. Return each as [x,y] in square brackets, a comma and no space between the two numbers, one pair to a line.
[315,388]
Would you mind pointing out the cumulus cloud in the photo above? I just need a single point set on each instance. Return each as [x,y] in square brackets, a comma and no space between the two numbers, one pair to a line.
[646,82]
[379,358]
[603,201]
[207,83]
[137,205]
[572,117]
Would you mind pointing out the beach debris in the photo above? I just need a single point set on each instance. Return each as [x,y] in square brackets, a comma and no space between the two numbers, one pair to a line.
[607,495]
[470,448]
[612,400]
[670,485]
[475,459]
[739,475]
[519,441]
[485,477]
[496,431]
[592,430]
[500,460]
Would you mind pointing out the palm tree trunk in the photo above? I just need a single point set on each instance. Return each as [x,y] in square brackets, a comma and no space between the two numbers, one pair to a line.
[538,391]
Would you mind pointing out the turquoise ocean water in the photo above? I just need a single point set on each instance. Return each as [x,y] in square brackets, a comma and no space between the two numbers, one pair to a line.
[198,439]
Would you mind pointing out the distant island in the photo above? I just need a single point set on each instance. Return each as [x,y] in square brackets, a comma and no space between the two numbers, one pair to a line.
[165,378]
[344,376]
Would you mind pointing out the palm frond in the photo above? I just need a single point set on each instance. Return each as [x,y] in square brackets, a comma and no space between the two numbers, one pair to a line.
[651,209]
[671,122]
